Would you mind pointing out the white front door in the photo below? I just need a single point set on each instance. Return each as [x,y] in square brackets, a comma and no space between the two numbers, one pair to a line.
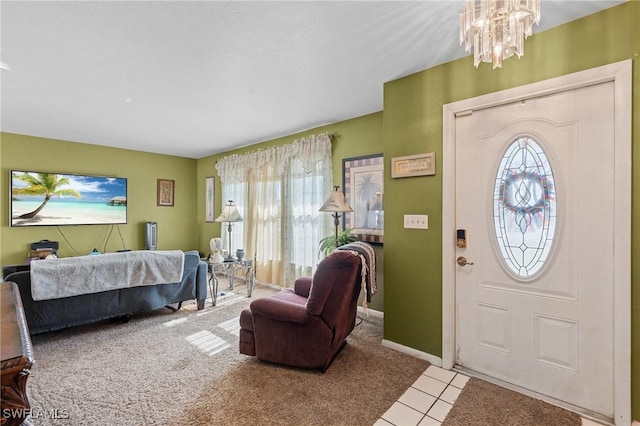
[534,194]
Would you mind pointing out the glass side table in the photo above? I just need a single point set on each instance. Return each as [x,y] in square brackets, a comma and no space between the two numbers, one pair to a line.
[230,269]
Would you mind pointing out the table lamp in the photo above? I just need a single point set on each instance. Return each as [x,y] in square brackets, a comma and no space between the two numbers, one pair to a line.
[336,204]
[229,214]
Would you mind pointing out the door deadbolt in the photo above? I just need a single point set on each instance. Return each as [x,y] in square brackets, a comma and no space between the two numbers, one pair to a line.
[462,261]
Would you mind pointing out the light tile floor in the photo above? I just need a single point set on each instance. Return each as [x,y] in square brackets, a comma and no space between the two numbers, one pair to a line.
[429,399]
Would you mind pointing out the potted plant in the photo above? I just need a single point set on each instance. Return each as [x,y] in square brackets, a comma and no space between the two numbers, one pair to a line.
[328,243]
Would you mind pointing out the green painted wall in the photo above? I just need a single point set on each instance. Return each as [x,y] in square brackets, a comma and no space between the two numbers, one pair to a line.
[352,138]
[412,124]
[176,225]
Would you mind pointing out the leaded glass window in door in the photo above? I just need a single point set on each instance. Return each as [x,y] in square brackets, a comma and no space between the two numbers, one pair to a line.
[524,208]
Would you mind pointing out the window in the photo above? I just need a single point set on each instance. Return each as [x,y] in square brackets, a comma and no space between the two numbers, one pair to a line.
[279,191]
[524,208]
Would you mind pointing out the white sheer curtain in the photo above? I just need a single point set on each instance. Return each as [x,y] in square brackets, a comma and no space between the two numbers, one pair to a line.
[279,191]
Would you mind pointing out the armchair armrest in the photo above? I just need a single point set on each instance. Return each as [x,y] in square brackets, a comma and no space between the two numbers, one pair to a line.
[302,286]
[280,310]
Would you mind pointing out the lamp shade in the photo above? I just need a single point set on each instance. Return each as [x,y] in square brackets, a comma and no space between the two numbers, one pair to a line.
[336,203]
[229,214]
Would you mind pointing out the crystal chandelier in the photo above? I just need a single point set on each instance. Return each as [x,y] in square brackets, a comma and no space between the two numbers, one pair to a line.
[496,29]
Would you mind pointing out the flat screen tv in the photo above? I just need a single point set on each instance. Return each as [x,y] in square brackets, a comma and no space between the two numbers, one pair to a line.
[40,198]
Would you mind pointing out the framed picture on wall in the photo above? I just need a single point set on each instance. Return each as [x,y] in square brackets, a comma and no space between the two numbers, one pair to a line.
[209,197]
[414,165]
[165,192]
[363,184]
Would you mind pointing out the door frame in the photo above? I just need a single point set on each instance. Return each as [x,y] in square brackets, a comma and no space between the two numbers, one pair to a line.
[620,73]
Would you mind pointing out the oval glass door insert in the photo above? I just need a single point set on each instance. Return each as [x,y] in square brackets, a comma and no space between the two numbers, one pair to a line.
[524,208]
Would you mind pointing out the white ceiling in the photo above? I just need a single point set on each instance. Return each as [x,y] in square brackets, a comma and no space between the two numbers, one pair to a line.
[194,78]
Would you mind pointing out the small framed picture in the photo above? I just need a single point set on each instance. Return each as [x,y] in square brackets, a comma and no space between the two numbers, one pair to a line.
[414,165]
[209,193]
[166,192]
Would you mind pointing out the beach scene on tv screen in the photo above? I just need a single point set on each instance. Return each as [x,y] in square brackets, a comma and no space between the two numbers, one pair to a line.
[65,199]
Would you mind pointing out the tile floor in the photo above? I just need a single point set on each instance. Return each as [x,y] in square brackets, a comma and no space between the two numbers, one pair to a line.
[429,399]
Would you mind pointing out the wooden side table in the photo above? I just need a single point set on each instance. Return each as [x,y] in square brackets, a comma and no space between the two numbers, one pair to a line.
[17,357]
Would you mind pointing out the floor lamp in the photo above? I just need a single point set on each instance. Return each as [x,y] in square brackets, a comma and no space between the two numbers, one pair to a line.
[229,214]
[336,204]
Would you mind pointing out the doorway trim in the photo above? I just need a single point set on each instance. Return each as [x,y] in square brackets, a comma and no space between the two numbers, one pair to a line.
[620,73]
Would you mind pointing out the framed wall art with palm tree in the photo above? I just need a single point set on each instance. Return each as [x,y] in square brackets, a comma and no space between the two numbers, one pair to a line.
[363,183]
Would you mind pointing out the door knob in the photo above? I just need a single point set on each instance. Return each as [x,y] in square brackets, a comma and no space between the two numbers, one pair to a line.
[462,261]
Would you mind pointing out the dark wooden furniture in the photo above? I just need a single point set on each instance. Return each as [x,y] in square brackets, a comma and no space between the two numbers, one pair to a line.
[17,357]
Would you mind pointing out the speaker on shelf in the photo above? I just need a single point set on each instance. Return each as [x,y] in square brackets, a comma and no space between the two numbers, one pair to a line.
[151,236]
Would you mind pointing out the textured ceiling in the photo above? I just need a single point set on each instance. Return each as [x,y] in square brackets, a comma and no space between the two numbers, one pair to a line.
[194,78]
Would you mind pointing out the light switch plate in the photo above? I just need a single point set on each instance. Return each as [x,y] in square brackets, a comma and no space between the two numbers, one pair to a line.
[416,221]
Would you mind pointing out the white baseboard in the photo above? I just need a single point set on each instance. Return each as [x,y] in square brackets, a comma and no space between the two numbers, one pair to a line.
[434,360]
[372,312]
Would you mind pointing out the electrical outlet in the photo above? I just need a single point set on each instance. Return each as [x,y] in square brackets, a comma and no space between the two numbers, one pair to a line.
[416,221]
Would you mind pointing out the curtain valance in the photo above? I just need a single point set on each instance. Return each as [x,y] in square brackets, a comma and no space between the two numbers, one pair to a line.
[308,150]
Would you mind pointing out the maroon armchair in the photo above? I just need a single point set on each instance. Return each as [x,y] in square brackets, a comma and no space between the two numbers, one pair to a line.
[305,326]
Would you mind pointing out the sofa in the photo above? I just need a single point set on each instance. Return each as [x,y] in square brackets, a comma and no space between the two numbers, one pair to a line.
[61,312]
[306,326]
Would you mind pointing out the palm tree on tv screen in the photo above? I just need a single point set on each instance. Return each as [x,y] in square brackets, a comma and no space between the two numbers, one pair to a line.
[46,184]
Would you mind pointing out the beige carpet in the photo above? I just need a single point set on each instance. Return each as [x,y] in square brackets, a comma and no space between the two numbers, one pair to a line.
[481,403]
[184,368]
[164,369]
